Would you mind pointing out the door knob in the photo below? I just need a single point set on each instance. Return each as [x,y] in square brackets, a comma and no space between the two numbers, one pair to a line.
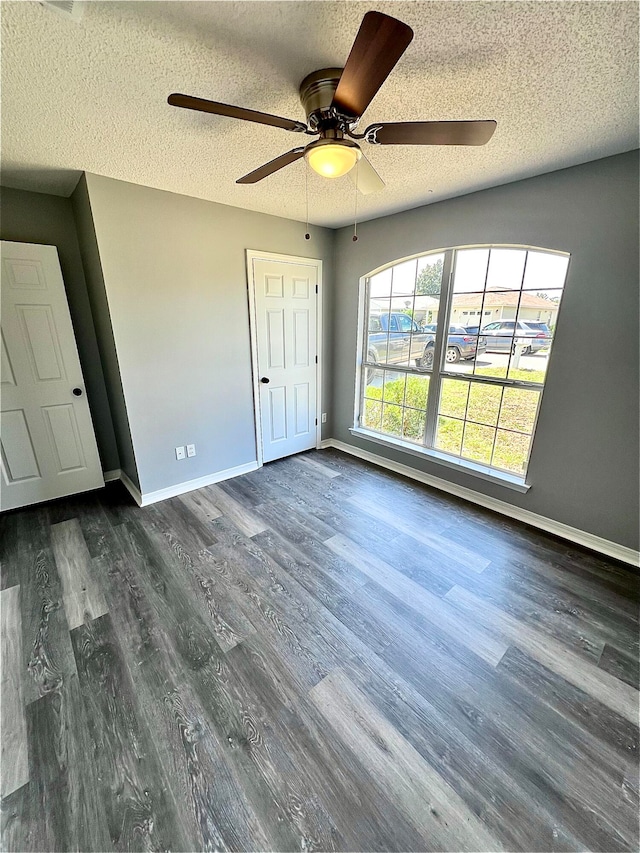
[77,392]
[265,380]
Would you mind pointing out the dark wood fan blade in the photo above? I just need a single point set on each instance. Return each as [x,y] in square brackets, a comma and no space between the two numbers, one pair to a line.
[380,43]
[431,133]
[189,103]
[272,166]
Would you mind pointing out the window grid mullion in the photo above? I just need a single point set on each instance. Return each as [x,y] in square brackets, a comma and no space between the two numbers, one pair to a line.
[365,360]
[495,432]
[464,418]
[467,377]
[494,380]
[413,315]
[484,293]
[478,423]
[515,319]
[464,430]
[433,400]
[533,431]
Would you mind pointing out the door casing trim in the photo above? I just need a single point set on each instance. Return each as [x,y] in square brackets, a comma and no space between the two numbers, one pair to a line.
[254,254]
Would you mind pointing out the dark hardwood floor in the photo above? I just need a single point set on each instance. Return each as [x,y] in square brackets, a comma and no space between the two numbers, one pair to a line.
[318,655]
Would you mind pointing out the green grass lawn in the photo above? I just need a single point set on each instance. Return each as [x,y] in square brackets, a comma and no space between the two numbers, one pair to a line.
[521,374]
[499,422]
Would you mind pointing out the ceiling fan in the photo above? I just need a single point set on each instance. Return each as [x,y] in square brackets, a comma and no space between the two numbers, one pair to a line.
[334,100]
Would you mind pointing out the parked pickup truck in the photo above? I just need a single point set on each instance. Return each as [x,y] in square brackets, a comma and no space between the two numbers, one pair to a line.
[397,339]
[394,339]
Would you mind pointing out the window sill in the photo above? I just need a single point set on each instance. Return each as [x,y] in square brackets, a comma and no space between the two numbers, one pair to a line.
[482,471]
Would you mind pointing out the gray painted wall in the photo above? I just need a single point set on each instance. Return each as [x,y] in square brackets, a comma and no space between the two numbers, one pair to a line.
[27,217]
[584,460]
[174,272]
[102,320]
[166,282]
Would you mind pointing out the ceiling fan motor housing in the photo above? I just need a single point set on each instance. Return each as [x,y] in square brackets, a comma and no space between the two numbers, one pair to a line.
[316,93]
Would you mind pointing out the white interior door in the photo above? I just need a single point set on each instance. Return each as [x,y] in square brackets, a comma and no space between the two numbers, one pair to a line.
[285,302]
[48,447]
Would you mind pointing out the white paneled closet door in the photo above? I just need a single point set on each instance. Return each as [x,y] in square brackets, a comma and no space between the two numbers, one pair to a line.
[47,442]
[285,301]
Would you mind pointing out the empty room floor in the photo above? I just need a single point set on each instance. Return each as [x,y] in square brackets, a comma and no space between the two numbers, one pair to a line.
[318,655]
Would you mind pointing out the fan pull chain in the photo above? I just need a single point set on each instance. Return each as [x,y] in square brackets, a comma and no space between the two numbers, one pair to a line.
[307,236]
[355,213]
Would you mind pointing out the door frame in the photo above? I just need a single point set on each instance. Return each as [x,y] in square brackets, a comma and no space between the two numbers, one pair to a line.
[254,254]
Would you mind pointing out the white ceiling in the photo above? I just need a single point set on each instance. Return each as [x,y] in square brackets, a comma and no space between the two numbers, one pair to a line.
[560,78]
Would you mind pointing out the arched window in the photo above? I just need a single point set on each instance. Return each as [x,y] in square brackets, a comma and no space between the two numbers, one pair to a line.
[455,350]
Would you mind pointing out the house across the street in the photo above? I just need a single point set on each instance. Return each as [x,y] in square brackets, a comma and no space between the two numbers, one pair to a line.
[502,306]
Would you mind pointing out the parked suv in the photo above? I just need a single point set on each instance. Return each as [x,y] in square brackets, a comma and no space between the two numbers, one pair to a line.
[539,327]
[506,334]
[460,346]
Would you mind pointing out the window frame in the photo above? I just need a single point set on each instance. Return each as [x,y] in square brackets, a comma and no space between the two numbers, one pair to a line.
[439,372]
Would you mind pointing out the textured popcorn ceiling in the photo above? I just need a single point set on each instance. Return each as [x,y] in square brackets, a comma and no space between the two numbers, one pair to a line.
[561,79]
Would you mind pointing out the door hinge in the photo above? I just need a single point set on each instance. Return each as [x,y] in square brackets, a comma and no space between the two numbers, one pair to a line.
[316,422]
[316,359]
[316,288]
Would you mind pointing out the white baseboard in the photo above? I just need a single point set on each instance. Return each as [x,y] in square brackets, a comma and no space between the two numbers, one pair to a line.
[581,537]
[110,476]
[146,498]
[133,490]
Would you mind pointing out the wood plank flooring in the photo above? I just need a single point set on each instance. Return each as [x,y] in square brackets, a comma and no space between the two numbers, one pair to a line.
[318,655]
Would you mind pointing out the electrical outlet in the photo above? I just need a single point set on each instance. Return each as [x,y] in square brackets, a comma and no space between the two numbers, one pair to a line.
[180,454]
[191,450]
[324,417]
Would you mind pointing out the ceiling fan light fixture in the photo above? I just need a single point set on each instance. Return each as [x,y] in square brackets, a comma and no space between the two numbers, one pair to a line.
[334,100]
[332,158]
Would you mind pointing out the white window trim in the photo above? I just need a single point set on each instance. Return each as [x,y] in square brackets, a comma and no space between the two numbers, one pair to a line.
[485,472]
